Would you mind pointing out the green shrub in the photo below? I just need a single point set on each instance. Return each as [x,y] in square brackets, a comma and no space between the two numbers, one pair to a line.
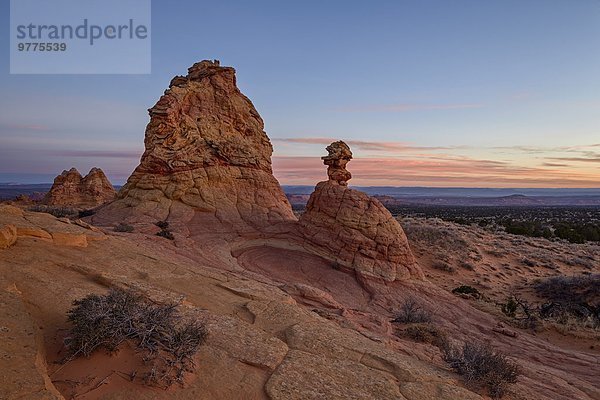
[86,213]
[166,234]
[468,290]
[510,307]
[162,224]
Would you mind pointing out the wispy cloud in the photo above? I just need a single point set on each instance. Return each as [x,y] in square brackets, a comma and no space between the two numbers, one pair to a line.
[24,127]
[595,159]
[437,171]
[407,107]
[96,153]
[366,145]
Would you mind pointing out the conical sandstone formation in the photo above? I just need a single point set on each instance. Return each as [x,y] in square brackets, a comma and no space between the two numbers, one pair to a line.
[71,189]
[354,229]
[206,148]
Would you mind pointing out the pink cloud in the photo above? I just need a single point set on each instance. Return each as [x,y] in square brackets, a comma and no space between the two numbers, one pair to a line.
[365,145]
[440,171]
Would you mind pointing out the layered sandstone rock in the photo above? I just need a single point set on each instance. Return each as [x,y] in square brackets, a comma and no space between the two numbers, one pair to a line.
[353,229]
[206,149]
[16,224]
[71,189]
[8,236]
[339,155]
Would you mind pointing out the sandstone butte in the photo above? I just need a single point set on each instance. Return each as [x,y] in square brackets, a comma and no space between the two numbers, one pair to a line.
[71,189]
[294,309]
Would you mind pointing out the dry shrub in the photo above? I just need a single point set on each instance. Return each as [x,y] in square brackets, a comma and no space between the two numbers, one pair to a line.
[482,366]
[570,289]
[122,227]
[443,266]
[426,333]
[167,342]
[571,299]
[58,212]
[412,312]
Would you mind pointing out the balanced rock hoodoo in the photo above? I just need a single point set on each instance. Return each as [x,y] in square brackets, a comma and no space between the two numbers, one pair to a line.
[71,189]
[354,229]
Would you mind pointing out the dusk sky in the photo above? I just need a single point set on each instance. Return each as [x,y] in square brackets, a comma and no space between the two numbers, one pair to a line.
[427,93]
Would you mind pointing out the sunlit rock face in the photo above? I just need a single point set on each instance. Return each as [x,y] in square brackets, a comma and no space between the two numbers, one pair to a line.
[206,148]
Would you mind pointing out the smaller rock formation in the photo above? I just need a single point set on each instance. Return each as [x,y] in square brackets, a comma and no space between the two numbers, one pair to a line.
[71,189]
[355,230]
[339,155]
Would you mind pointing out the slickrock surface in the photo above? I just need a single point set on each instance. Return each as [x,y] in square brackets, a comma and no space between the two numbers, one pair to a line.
[8,236]
[206,151]
[280,325]
[71,189]
[285,319]
[61,232]
[354,229]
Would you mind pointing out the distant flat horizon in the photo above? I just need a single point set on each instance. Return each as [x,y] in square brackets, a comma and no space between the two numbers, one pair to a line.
[396,191]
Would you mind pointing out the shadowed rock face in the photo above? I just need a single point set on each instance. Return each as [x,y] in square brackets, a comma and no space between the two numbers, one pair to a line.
[206,148]
[353,228]
[71,189]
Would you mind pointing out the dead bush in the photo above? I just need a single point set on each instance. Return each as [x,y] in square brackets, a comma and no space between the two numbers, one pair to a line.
[58,212]
[443,266]
[426,333]
[167,341]
[122,227]
[570,289]
[571,298]
[412,312]
[482,366]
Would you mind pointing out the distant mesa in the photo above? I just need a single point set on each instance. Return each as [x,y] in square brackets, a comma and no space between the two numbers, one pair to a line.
[71,189]
[354,229]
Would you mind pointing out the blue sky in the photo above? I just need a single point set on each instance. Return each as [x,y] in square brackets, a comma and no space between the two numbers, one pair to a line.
[434,93]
